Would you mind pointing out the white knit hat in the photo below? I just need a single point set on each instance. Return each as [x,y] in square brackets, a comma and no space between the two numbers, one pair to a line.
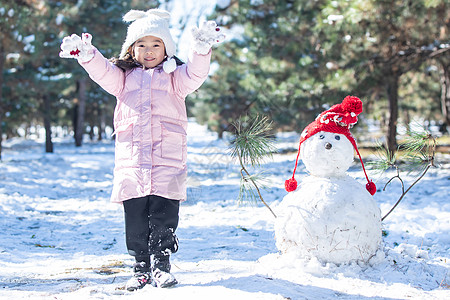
[153,22]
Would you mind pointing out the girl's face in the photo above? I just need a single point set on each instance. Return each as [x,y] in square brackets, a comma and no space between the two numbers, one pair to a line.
[149,51]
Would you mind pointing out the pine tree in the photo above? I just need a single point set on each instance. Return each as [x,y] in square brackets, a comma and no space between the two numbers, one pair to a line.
[16,23]
[271,68]
[384,40]
[288,58]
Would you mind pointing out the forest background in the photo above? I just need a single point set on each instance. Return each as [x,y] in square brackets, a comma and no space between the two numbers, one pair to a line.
[285,59]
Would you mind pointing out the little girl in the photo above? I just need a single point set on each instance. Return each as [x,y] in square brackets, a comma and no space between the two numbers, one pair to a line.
[150,123]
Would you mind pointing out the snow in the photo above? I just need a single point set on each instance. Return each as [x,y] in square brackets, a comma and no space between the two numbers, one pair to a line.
[331,19]
[59,19]
[62,239]
[222,4]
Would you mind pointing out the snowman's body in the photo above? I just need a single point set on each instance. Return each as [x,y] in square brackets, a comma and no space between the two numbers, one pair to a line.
[330,216]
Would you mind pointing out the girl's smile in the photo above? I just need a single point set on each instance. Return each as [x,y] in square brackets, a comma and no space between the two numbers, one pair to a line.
[149,51]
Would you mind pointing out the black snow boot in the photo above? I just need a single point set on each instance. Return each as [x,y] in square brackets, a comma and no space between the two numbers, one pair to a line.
[161,276]
[138,281]
[163,279]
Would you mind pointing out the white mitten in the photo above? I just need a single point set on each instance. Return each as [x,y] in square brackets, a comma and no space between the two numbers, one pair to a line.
[79,48]
[204,37]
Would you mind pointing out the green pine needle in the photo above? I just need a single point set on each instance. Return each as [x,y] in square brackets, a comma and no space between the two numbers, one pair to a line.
[386,159]
[419,148]
[247,191]
[419,145]
[252,142]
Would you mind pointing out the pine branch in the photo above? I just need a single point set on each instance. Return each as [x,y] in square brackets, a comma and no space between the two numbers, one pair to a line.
[387,159]
[403,190]
[419,155]
[252,144]
[246,192]
[251,141]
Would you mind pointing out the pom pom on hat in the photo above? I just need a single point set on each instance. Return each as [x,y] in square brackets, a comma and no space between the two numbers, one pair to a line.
[338,119]
[133,15]
[169,65]
[352,104]
[290,185]
[154,22]
[371,187]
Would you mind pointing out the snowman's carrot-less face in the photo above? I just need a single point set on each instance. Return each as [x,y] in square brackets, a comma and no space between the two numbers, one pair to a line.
[327,154]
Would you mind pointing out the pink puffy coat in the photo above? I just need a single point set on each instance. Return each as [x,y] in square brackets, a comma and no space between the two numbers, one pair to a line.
[150,124]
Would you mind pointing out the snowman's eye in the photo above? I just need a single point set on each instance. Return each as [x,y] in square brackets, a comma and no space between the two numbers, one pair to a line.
[337,138]
[321,136]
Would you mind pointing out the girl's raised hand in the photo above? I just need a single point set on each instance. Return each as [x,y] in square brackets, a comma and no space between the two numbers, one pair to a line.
[79,48]
[206,36]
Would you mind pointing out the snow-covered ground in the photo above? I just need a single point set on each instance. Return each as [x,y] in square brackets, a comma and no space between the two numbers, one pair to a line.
[60,238]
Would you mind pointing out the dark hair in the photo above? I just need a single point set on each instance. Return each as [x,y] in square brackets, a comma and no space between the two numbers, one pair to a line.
[128,62]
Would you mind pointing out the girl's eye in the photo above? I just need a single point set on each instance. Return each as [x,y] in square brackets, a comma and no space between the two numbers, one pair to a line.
[337,137]
[321,136]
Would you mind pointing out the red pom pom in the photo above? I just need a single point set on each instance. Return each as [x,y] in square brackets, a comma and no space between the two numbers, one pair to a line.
[352,104]
[290,184]
[371,187]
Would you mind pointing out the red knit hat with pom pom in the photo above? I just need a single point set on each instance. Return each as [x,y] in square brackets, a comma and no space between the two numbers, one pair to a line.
[338,119]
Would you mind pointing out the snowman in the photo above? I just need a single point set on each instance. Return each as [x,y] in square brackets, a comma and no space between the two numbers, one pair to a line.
[330,216]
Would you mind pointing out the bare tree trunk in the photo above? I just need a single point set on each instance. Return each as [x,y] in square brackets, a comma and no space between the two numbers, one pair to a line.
[75,117]
[47,124]
[392,93]
[79,125]
[445,91]
[91,132]
[101,122]
[2,63]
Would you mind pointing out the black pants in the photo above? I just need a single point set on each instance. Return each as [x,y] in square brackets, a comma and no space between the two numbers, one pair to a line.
[150,224]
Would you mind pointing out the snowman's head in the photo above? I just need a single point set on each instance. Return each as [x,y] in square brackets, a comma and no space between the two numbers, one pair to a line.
[326,145]
[327,154]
